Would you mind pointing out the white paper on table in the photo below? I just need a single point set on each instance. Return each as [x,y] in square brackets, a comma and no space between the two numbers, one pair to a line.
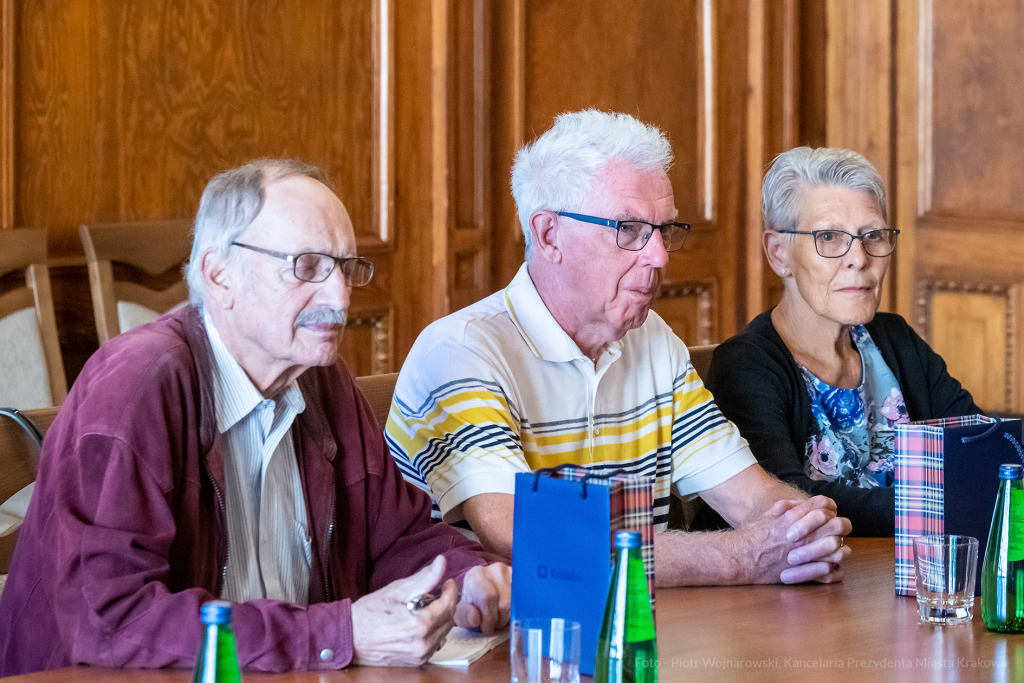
[464,647]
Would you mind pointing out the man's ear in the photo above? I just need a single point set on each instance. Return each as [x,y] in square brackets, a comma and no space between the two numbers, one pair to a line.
[545,229]
[776,250]
[218,279]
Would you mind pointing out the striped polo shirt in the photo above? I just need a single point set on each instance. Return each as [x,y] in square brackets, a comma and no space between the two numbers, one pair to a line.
[499,388]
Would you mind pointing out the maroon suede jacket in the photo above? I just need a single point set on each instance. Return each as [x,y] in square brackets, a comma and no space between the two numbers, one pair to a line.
[125,536]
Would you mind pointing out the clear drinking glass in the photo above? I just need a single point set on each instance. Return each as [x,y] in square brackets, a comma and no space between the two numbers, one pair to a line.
[945,568]
[545,651]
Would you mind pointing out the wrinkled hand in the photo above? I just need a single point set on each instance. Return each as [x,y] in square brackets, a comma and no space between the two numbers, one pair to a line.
[386,633]
[796,541]
[818,531]
[486,598]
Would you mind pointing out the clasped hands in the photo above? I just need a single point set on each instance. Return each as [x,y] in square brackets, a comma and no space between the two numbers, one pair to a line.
[386,633]
[799,540]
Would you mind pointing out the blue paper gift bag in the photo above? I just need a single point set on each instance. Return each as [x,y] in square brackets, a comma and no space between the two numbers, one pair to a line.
[562,544]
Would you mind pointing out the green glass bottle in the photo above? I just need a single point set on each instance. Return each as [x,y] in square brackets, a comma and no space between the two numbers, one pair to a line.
[1002,575]
[217,661]
[627,649]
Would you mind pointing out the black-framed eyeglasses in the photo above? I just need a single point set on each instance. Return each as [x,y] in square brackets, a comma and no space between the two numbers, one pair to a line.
[314,267]
[836,243]
[633,235]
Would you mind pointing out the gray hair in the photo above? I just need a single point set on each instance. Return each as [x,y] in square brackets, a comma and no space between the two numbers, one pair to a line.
[803,168]
[557,171]
[230,203]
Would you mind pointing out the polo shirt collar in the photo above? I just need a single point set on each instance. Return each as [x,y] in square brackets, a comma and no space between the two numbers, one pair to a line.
[539,329]
[234,394]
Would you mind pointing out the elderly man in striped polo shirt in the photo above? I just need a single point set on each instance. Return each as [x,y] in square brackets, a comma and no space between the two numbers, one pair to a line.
[223,451]
[569,364]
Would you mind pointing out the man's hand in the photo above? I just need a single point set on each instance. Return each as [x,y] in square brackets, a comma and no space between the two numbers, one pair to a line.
[796,541]
[819,531]
[486,598]
[386,633]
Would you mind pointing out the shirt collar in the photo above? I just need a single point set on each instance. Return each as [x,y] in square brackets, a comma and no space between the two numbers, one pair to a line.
[538,327]
[234,395]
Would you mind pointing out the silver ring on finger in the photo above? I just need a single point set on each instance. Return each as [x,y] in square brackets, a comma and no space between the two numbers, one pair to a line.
[841,541]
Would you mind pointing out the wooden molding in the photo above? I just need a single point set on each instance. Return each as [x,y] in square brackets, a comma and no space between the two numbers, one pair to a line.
[518,94]
[439,157]
[755,156]
[1010,295]
[706,111]
[911,67]
[705,294]
[7,103]
[381,337]
[383,127]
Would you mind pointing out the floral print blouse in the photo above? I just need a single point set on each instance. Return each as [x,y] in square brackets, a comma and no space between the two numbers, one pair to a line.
[854,438]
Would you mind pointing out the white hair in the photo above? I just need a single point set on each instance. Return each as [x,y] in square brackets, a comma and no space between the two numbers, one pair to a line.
[804,168]
[230,203]
[557,171]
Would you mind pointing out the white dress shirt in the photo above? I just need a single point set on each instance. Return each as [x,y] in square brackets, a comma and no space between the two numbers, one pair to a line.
[268,542]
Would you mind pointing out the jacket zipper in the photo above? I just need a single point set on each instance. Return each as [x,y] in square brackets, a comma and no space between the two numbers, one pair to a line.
[330,531]
[227,540]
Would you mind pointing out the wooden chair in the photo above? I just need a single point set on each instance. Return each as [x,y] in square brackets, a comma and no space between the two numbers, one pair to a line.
[19,463]
[378,390]
[31,370]
[700,357]
[134,271]
[681,514]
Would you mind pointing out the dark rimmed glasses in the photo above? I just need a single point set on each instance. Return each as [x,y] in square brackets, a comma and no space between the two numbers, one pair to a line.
[633,235]
[314,267]
[836,243]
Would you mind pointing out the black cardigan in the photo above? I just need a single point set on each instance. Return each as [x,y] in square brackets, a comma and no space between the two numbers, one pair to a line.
[759,386]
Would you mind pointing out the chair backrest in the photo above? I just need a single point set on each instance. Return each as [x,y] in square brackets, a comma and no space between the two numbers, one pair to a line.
[31,368]
[378,390]
[700,357]
[681,514]
[134,271]
[19,462]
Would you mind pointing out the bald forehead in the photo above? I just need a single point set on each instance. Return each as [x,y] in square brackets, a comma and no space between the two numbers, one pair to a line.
[306,214]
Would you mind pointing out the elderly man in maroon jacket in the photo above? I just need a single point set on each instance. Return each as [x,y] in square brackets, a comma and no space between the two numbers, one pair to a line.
[223,451]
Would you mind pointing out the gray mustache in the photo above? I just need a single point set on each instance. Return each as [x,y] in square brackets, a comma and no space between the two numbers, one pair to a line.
[322,316]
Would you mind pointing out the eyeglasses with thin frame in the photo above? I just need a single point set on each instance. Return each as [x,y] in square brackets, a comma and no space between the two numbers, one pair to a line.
[634,235]
[311,266]
[836,243]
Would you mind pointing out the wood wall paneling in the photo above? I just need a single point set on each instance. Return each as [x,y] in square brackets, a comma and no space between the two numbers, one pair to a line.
[8,31]
[119,112]
[976,328]
[959,142]
[469,154]
[977,111]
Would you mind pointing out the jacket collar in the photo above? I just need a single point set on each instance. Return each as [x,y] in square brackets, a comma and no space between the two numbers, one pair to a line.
[539,329]
[311,431]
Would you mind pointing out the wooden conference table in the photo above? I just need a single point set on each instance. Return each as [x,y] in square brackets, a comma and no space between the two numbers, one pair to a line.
[857,630]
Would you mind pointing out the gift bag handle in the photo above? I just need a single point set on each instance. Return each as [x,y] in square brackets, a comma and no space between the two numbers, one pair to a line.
[991,430]
[548,471]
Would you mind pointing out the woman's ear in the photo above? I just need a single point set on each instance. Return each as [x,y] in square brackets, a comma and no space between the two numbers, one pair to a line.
[776,249]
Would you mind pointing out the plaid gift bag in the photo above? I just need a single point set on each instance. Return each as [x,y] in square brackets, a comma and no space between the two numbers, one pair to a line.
[564,521]
[947,476]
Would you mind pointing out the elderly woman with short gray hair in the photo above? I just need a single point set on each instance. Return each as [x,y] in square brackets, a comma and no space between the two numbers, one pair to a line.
[818,383]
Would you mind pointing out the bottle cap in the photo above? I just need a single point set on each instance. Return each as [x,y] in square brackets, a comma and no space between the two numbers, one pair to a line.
[627,539]
[216,612]
[1011,471]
